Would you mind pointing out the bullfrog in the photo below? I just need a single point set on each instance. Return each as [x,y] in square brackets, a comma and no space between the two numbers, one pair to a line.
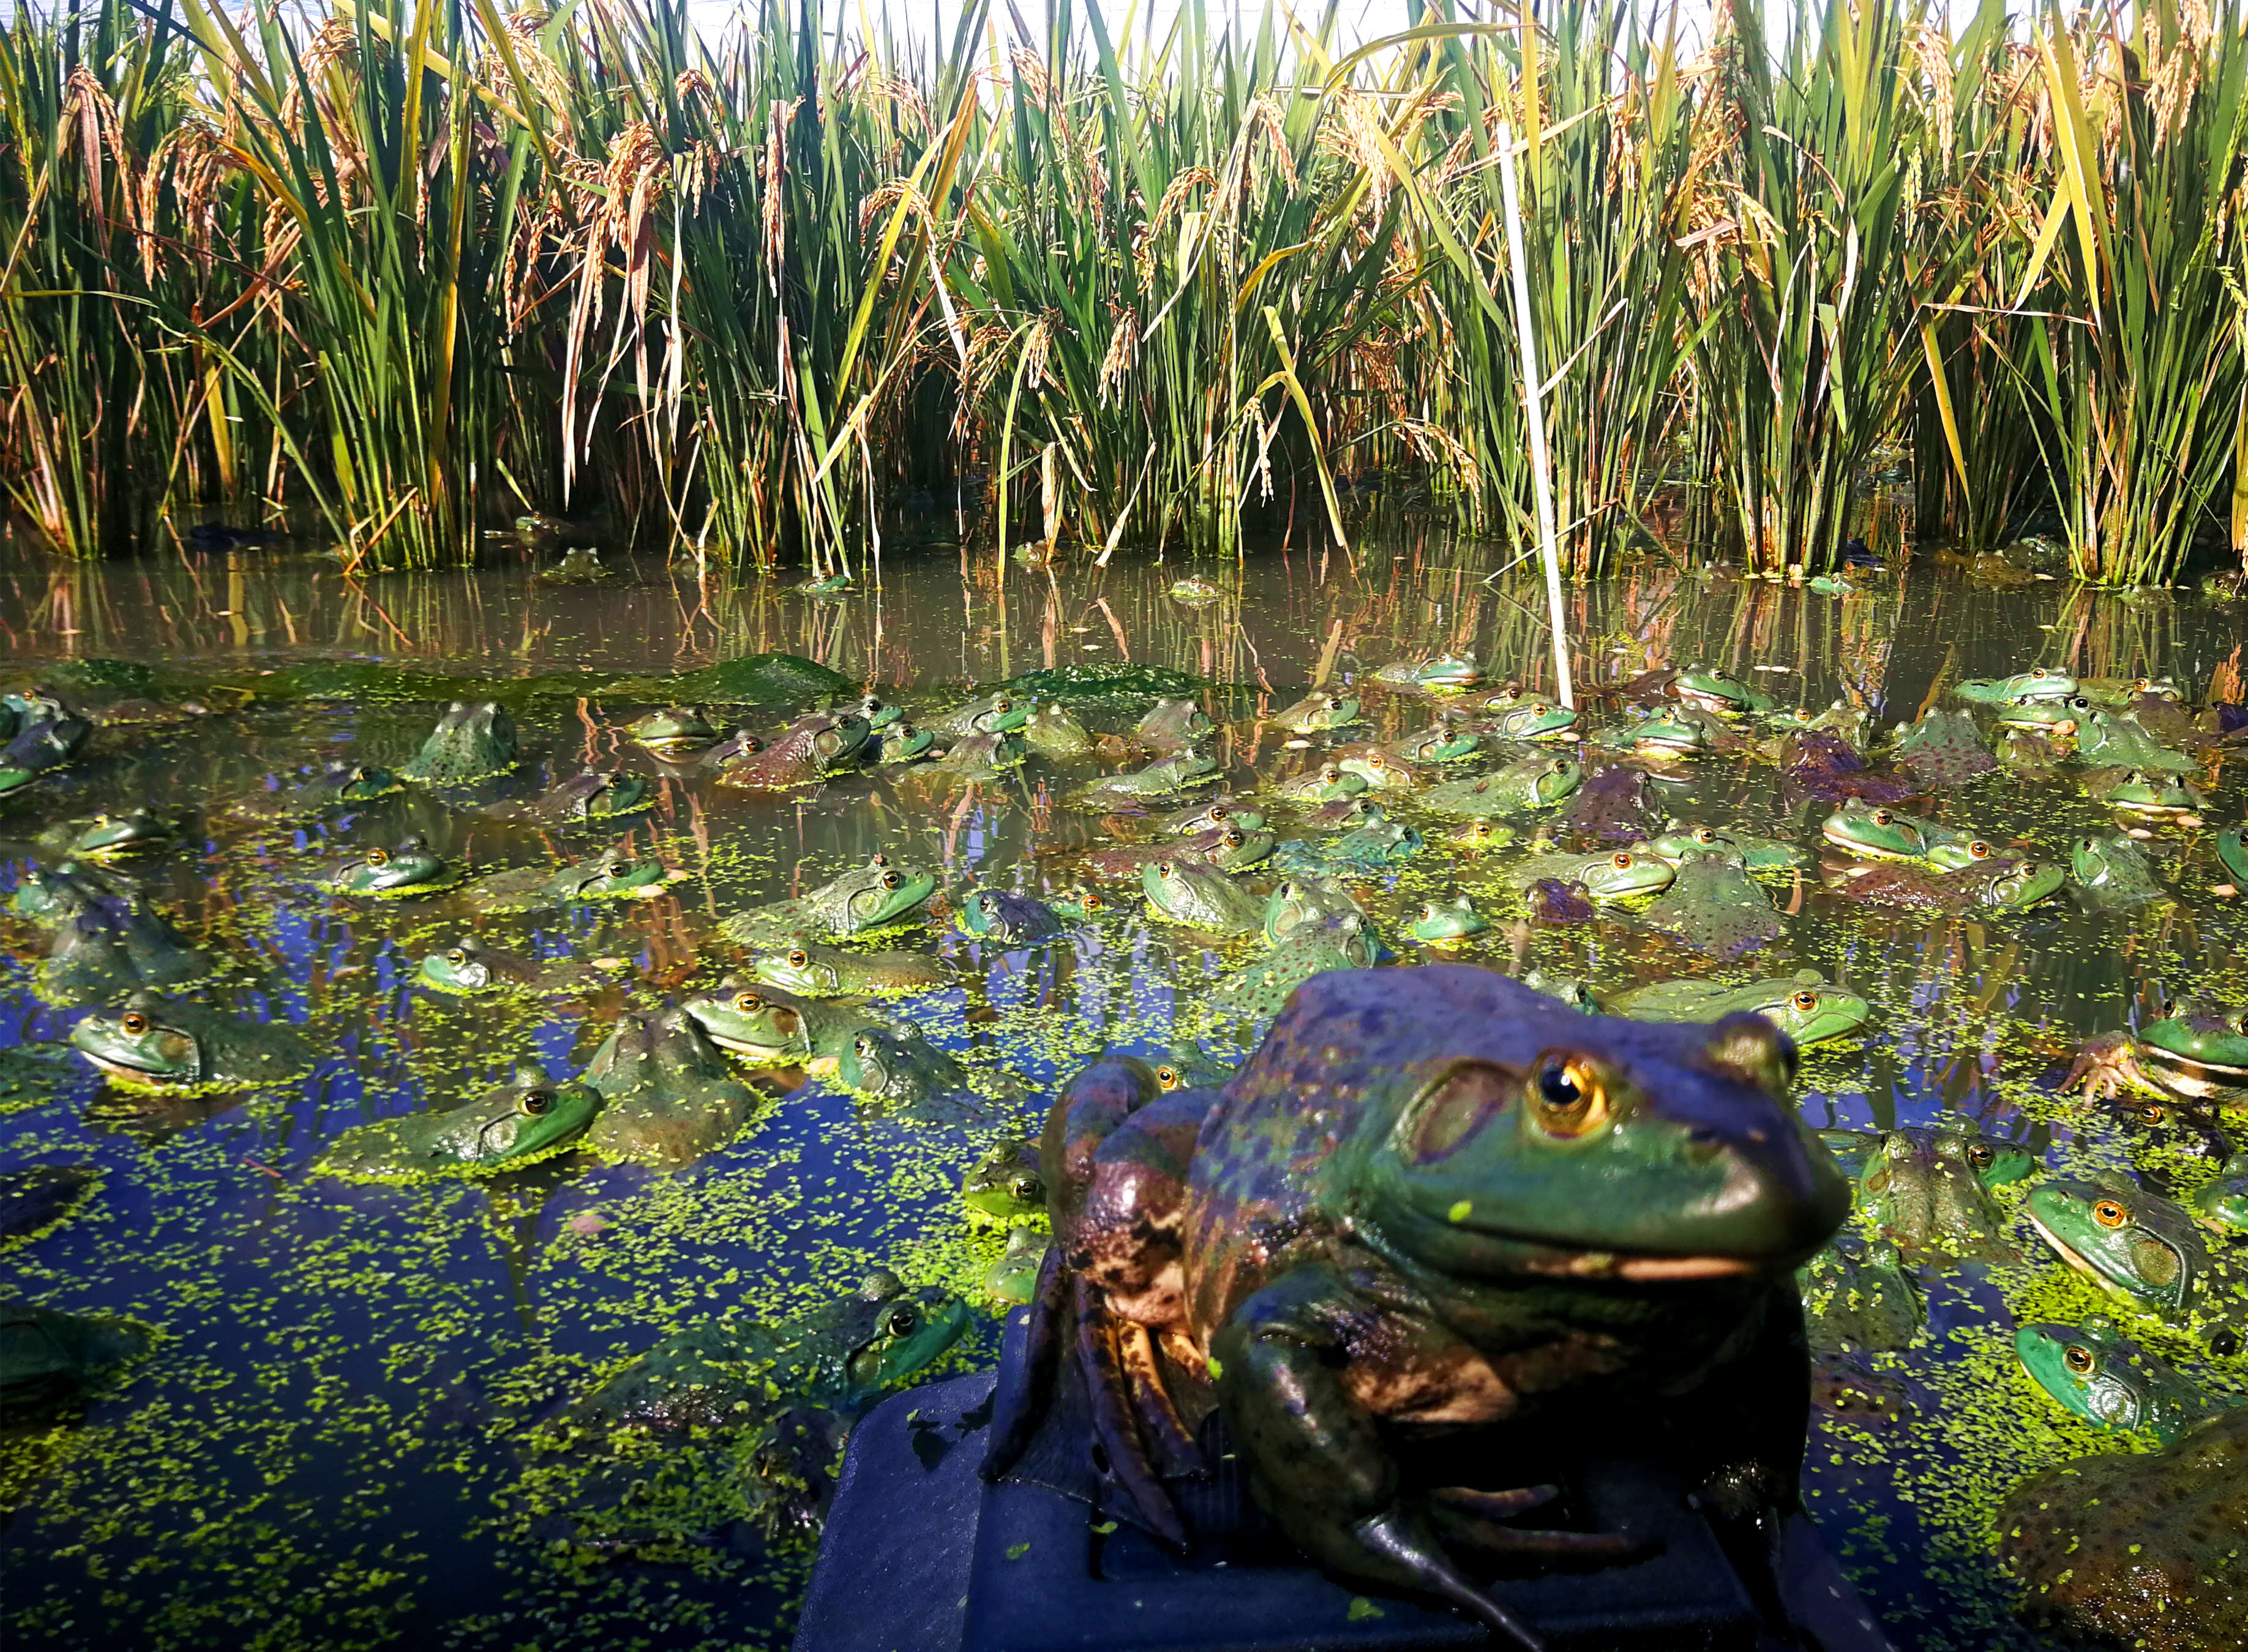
[1923,1188]
[40,749]
[994,714]
[2179,1129]
[2121,691]
[586,799]
[2112,871]
[106,836]
[1380,770]
[1492,1207]
[1804,1005]
[739,1422]
[838,583]
[902,744]
[2146,1252]
[1301,900]
[1006,1186]
[529,1118]
[1872,833]
[2142,792]
[470,742]
[1195,592]
[1714,907]
[1439,921]
[1212,815]
[1994,1161]
[1604,876]
[1860,1296]
[1229,848]
[972,759]
[345,785]
[2195,1050]
[2039,682]
[2232,855]
[1335,940]
[2095,1371]
[616,874]
[1474,835]
[801,965]
[870,897]
[1441,742]
[1373,847]
[911,1077]
[1817,764]
[1671,731]
[580,565]
[1319,709]
[808,750]
[409,868]
[1708,687]
[2056,720]
[1944,749]
[472,966]
[2139,1548]
[112,946]
[1325,784]
[1172,725]
[769,1026]
[1438,674]
[1537,782]
[1343,814]
[878,713]
[1618,804]
[1677,840]
[674,729]
[668,1096]
[151,1042]
[1014,1277]
[2222,1203]
[1051,732]
[1201,897]
[1165,775]
[47,1358]
[51,896]
[1513,715]
[2005,883]
[2114,739]
[1009,920]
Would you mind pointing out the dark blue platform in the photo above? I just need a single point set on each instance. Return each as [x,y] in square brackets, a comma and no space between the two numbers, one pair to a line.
[920,1555]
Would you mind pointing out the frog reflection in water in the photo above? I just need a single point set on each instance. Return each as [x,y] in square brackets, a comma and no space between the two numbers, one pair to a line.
[1433,1197]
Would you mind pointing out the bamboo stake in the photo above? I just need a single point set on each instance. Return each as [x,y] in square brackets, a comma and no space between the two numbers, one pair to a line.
[1540,475]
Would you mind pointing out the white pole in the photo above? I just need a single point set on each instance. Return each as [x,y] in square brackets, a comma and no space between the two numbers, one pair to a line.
[1533,395]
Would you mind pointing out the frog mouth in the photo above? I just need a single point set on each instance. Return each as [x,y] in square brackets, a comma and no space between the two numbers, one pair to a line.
[2067,1253]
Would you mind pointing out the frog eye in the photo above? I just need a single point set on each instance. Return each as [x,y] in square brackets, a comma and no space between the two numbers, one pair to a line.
[1092,901]
[1883,817]
[362,774]
[1217,814]
[748,1003]
[2037,674]
[1001,707]
[1539,709]
[2079,1359]
[538,1103]
[903,1320]
[1427,911]
[1704,834]
[1980,1156]
[798,958]
[865,1045]
[1167,1077]
[1805,1002]
[1233,838]
[2110,1213]
[2153,1112]
[891,880]
[1028,1189]
[1559,765]
[616,868]
[1620,860]
[1569,1099]
[1377,761]
[1978,850]
[456,957]
[1331,774]
[378,857]
[133,1022]
[985,904]
[1166,869]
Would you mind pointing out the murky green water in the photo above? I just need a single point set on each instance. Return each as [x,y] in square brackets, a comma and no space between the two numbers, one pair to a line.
[322,1450]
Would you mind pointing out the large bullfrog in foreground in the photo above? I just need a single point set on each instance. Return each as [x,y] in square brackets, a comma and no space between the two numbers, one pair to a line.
[1434,1198]
[2140,1549]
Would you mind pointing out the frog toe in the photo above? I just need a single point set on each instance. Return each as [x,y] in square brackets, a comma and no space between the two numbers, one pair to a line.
[1398,1547]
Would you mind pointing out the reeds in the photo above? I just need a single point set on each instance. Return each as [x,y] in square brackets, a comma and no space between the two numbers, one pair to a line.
[404,269]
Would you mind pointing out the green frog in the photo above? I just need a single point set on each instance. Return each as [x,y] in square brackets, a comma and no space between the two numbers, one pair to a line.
[1298,901]
[529,1118]
[1328,783]
[1864,1298]
[1013,1278]
[1316,711]
[1172,725]
[1804,1005]
[2222,1203]
[2232,855]
[1254,995]
[1925,1189]
[1538,782]
[1201,897]
[409,868]
[1373,847]
[1005,1186]
[580,565]
[1944,749]
[1514,715]
[2146,1252]
[2116,739]
[668,1096]
[2139,1548]
[673,730]
[2039,682]
[1380,770]
[619,874]
[1212,815]
[1496,1210]
[469,743]
[2003,883]
[768,1026]
[1009,920]
[2113,871]
[1875,833]
[1440,742]
[1229,848]
[106,836]
[473,967]
[1439,921]
[2142,792]
[51,896]
[801,965]
[48,1358]
[588,798]
[1195,592]
[878,713]
[1677,840]
[2095,1371]
[40,749]
[903,744]
[911,1077]
[151,1042]
[1438,674]
[1001,713]
[807,751]
[1051,732]
[1708,687]
[2055,720]
[1617,805]
[1165,775]
[2121,691]
[870,897]
[1604,876]
[1475,836]
[973,759]
[114,945]
[344,786]
[1671,731]
[2196,1050]
[1714,907]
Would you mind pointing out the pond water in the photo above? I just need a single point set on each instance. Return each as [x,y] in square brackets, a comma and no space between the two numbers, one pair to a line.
[326,1447]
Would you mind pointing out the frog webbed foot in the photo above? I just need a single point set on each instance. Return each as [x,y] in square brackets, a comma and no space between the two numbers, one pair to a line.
[2105,1066]
[1469,1519]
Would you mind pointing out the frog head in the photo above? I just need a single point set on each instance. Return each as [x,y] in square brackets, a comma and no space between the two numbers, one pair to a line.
[1483,835]
[2055,716]
[1448,671]
[1082,904]
[1296,902]
[877,713]
[1543,781]
[1443,921]
[136,829]
[801,965]
[2146,791]
[673,728]
[1378,769]
[891,1331]
[143,1042]
[1441,742]
[1007,1184]
[1811,1009]
[1531,720]
[407,865]
[1713,688]
[1218,811]
[362,783]
[763,1023]
[1624,873]
[2200,1049]
[1174,721]
[616,875]
[1316,711]
[905,743]
[878,1062]
[522,1118]
[1668,733]
[878,893]
[1324,783]
[1883,834]
[2106,858]
[1521,1137]
[602,794]
[2125,1238]
[980,909]
[2096,1372]
[471,740]
[466,966]
[2013,885]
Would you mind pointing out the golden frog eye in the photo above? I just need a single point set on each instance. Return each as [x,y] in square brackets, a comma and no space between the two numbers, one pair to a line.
[1234,839]
[1704,834]
[2153,1112]
[616,868]
[361,774]
[1540,710]
[1620,860]
[2037,674]
[538,1103]
[1980,1155]
[2108,1213]
[748,1003]
[1805,1002]
[1569,1099]
[1001,707]
[1167,868]
[1883,817]
[1377,761]
[1093,901]
[1559,765]
[904,1321]
[1427,911]
[891,880]
[456,957]
[798,958]
[1978,850]
[1027,1188]
[1167,1077]
[378,857]
[1335,702]
[2079,1359]
[1331,774]
[133,1022]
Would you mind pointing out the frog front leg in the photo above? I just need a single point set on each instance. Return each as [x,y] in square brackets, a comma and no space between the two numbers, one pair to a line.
[2105,1065]
[1284,1365]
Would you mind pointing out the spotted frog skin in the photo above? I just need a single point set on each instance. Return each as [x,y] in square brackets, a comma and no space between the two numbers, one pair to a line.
[2097,1372]
[1165,775]
[1201,897]
[2005,884]
[667,1095]
[994,714]
[870,897]
[469,743]
[1051,732]
[1319,709]
[1607,874]
[528,1119]
[1432,1197]
[1529,783]
[1344,940]
[151,1042]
